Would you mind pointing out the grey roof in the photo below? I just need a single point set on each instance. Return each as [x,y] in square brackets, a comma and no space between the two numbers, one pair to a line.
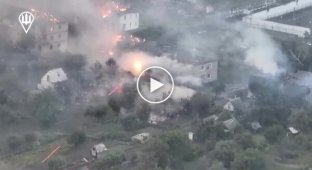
[231,124]
[239,105]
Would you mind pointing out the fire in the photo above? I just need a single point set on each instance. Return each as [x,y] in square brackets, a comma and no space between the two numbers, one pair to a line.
[109,8]
[137,67]
[44,15]
[106,13]
[117,39]
[111,53]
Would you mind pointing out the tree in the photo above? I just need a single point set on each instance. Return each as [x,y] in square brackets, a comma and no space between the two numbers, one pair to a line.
[274,133]
[200,104]
[56,164]
[131,123]
[30,139]
[75,62]
[14,142]
[143,111]
[128,96]
[216,165]
[171,149]
[8,116]
[77,138]
[224,152]
[45,107]
[250,159]
[302,120]
[97,111]
[245,140]
[212,131]
[114,103]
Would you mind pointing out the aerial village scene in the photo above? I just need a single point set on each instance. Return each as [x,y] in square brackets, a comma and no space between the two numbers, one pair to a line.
[155,85]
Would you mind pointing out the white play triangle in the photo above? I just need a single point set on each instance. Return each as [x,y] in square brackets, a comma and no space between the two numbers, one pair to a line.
[154,85]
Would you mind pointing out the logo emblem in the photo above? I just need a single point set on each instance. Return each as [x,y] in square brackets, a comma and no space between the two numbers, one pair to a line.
[26,19]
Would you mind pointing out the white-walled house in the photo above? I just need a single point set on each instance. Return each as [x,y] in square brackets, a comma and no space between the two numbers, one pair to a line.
[51,77]
[129,21]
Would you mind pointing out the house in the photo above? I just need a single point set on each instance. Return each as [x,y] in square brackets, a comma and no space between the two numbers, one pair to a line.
[97,149]
[53,38]
[205,67]
[230,124]
[293,131]
[51,78]
[141,138]
[129,21]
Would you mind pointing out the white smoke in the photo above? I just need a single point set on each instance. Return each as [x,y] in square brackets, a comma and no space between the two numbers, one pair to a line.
[262,53]
[182,73]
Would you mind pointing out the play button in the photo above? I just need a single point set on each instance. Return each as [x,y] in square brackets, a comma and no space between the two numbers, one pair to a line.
[155,85]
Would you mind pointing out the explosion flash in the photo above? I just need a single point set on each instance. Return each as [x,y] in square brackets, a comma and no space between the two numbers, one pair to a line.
[137,67]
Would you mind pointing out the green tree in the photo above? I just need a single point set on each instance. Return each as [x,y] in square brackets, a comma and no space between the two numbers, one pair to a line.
[216,165]
[143,111]
[245,140]
[77,138]
[171,149]
[114,103]
[201,104]
[56,164]
[211,131]
[46,106]
[97,111]
[249,160]
[14,142]
[131,123]
[274,133]
[75,62]
[30,139]
[224,152]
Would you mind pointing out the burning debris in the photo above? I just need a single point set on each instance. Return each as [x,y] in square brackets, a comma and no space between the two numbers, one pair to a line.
[44,15]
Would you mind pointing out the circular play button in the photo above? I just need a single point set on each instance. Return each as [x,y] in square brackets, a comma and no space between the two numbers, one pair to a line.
[155,84]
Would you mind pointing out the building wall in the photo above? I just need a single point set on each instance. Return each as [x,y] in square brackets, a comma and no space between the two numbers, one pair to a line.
[208,71]
[54,38]
[129,21]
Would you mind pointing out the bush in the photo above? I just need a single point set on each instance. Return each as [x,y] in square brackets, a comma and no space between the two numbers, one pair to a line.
[97,111]
[249,160]
[30,139]
[14,142]
[245,141]
[77,138]
[56,164]
[224,152]
[274,133]
[131,123]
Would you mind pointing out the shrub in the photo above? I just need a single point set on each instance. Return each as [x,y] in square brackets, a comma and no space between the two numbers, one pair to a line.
[77,138]
[14,142]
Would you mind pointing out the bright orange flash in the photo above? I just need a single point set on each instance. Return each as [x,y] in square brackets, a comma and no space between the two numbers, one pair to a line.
[137,67]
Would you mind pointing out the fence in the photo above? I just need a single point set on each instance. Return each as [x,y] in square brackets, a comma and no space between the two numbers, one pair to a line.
[283,9]
[290,29]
